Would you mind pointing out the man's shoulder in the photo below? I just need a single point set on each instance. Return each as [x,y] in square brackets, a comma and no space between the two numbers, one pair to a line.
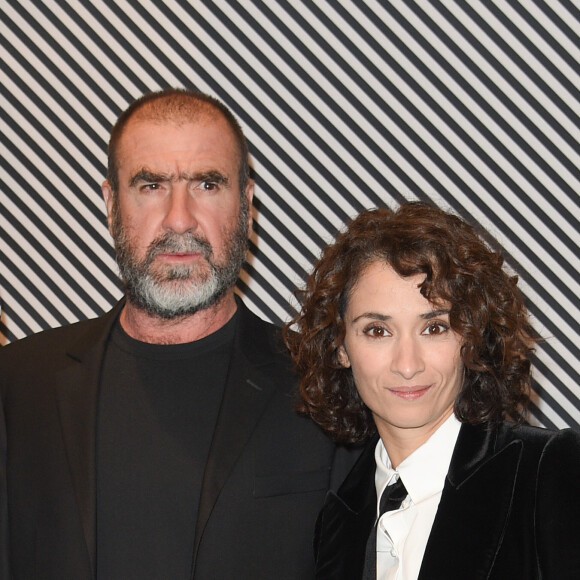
[53,340]
[257,332]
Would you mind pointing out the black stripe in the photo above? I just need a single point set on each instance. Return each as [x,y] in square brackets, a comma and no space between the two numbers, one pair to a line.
[97,268]
[507,76]
[563,29]
[540,416]
[95,113]
[312,172]
[9,311]
[549,400]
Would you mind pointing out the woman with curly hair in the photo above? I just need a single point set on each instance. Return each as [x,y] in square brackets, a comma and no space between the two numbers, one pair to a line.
[412,338]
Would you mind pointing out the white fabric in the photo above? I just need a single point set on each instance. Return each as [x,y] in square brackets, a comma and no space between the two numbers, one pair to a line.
[402,534]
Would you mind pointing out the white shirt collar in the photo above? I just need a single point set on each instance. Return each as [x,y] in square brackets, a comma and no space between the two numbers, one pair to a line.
[423,472]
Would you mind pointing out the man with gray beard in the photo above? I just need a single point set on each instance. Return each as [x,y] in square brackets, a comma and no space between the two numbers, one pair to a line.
[159,441]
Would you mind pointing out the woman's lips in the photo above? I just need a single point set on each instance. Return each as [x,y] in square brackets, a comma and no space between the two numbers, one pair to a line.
[410,393]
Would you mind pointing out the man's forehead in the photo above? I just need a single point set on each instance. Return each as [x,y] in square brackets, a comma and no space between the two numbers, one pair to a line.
[151,137]
[143,124]
[205,117]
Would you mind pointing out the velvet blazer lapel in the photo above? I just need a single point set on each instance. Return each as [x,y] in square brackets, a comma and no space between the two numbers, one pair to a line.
[77,388]
[346,520]
[470,521]
[474,508]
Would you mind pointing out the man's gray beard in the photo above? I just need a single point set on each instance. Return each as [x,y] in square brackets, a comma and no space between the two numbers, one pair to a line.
[180,290]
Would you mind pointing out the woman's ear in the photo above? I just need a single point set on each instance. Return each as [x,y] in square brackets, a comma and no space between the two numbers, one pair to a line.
[343,357]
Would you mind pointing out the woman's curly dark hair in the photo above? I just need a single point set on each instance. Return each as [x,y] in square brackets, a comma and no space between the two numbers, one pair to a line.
[486,310]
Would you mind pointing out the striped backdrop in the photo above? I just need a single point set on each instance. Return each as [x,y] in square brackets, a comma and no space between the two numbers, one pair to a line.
[346,104]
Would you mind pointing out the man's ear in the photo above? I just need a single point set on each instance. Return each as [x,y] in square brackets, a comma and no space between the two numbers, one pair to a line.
[249,193]
[108,197]
[343,357]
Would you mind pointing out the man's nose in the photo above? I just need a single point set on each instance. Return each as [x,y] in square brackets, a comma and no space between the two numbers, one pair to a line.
[180,214]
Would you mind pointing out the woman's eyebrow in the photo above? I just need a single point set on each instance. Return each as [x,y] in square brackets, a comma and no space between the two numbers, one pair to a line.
[435,313]
[373,316]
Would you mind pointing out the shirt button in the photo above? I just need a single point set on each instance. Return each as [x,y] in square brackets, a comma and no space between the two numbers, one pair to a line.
[394,553]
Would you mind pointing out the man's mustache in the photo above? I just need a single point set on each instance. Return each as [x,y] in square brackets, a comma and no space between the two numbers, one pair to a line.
[172,243]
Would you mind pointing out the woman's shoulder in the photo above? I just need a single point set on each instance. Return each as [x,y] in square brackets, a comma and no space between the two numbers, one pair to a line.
[564,443]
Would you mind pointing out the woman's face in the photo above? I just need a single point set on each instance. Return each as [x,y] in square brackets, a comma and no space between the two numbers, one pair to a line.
[404,357]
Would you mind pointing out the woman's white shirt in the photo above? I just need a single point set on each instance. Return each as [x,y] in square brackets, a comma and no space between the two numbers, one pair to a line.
[402,534]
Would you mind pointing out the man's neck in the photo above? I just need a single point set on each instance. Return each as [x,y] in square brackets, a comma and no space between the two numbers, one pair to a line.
[140,325]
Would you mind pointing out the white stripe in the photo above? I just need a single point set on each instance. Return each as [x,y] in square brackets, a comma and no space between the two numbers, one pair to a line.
[56,232]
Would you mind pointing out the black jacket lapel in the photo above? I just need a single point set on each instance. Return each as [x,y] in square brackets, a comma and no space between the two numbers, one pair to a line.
[346,520]
[77,392]
[474,508]
[246,396]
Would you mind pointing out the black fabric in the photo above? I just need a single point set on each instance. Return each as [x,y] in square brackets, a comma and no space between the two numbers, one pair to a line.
[391,500]
[158,406]
[509,509]
[267,472]
[352,508]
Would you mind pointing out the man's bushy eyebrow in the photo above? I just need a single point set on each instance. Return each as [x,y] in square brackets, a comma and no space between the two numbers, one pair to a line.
[149,176]
[144,175]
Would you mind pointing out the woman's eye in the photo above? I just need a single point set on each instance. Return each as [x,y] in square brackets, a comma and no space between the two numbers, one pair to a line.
[436,328]
[376,331]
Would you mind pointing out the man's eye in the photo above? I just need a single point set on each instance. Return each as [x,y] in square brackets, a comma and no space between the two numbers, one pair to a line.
[208,185]
[150,187]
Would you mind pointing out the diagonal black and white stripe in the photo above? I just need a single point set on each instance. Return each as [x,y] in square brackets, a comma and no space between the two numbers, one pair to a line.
[347,105]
